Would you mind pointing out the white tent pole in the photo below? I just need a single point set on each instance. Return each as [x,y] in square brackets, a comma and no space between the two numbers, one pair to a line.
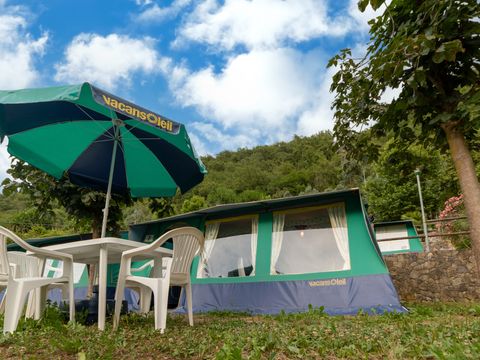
[110,179]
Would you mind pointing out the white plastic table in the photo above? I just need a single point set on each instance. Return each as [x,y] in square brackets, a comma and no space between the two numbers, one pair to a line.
[102,251]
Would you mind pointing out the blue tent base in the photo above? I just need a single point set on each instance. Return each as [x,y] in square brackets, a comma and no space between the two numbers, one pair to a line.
[80,293]
[372,294]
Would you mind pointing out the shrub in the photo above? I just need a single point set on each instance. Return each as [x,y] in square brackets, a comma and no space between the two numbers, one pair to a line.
[454,208]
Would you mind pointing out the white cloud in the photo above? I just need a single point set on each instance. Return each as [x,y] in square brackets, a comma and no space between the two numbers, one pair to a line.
[156,13]
[362,18]
[107,61]
[4,160]
[198,145]
[143,2]
[261,96]
[320,116]
[202,134]
[18,49]
[18,52]
[259,24]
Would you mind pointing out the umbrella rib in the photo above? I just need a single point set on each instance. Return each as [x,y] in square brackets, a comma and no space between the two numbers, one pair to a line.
[133,126]
[102,141]
[139,124]
[149,138]
[94,120]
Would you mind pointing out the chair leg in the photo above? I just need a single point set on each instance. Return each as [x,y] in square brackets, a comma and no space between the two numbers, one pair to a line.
[2,303]
[160,300]
[118,300]
[36,299]
[16,296]
[40,300]
[30,312]
[43,299]
[145,299]
[65,292]
[180,297]
[71,299]
[188,292]
[37,293]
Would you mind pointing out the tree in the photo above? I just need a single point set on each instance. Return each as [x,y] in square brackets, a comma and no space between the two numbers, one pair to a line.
[392,193]
[84,205]
[430,52]
[46,192]
[194,203]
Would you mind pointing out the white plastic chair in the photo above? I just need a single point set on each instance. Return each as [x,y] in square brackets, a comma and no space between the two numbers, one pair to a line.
[21,265]
[187,241]
[19,287]
[144,293]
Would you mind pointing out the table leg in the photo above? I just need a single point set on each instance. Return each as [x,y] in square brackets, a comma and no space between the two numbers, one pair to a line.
[102,286]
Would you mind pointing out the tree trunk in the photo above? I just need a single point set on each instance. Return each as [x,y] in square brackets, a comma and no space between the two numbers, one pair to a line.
[96,233]
[468,183]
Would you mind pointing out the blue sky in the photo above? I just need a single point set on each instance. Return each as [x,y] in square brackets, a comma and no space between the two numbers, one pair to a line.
[237,73]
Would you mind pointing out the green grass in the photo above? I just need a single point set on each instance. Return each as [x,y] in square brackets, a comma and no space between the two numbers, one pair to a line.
[433,331]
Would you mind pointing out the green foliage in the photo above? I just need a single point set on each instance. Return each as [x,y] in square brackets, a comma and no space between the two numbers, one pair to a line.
[443,331]
[305,164]
[162,207]
[139,212]
[430,52]
[45,193]
[393,192]
[194,203]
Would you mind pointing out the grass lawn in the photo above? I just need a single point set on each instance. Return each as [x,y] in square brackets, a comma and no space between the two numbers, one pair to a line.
[432,331]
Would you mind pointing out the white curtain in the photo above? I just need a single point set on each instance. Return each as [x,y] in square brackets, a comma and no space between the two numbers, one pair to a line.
[211,233]
[253,243]
[277,239]
[338,221]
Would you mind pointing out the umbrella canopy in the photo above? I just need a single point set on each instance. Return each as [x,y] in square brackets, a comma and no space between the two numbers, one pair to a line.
[100,140]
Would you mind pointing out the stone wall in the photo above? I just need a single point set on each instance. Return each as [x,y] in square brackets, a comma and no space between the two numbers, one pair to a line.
[440,275]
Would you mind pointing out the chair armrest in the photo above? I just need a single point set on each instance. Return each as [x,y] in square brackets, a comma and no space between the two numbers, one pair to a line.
[40,252]
[51,254]
[149,248]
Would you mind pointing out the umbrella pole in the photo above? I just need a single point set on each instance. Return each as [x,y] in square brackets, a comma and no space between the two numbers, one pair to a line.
[110,180]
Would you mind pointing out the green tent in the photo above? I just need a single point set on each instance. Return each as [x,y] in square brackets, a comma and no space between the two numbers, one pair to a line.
[286,254]
[395,230]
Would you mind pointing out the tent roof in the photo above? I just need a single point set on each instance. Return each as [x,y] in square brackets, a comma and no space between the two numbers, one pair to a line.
[395,222]
[52,240]
[259,206]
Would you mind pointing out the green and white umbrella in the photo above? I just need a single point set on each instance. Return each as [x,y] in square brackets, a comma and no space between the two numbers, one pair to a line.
[99,140]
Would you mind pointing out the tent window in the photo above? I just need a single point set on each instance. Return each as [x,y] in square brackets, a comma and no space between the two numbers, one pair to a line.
[310,240]
[392,231]
[230,249]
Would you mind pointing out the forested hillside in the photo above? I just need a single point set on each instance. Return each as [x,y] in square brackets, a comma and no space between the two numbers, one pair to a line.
[305,164]
[313,164]
[301,166]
